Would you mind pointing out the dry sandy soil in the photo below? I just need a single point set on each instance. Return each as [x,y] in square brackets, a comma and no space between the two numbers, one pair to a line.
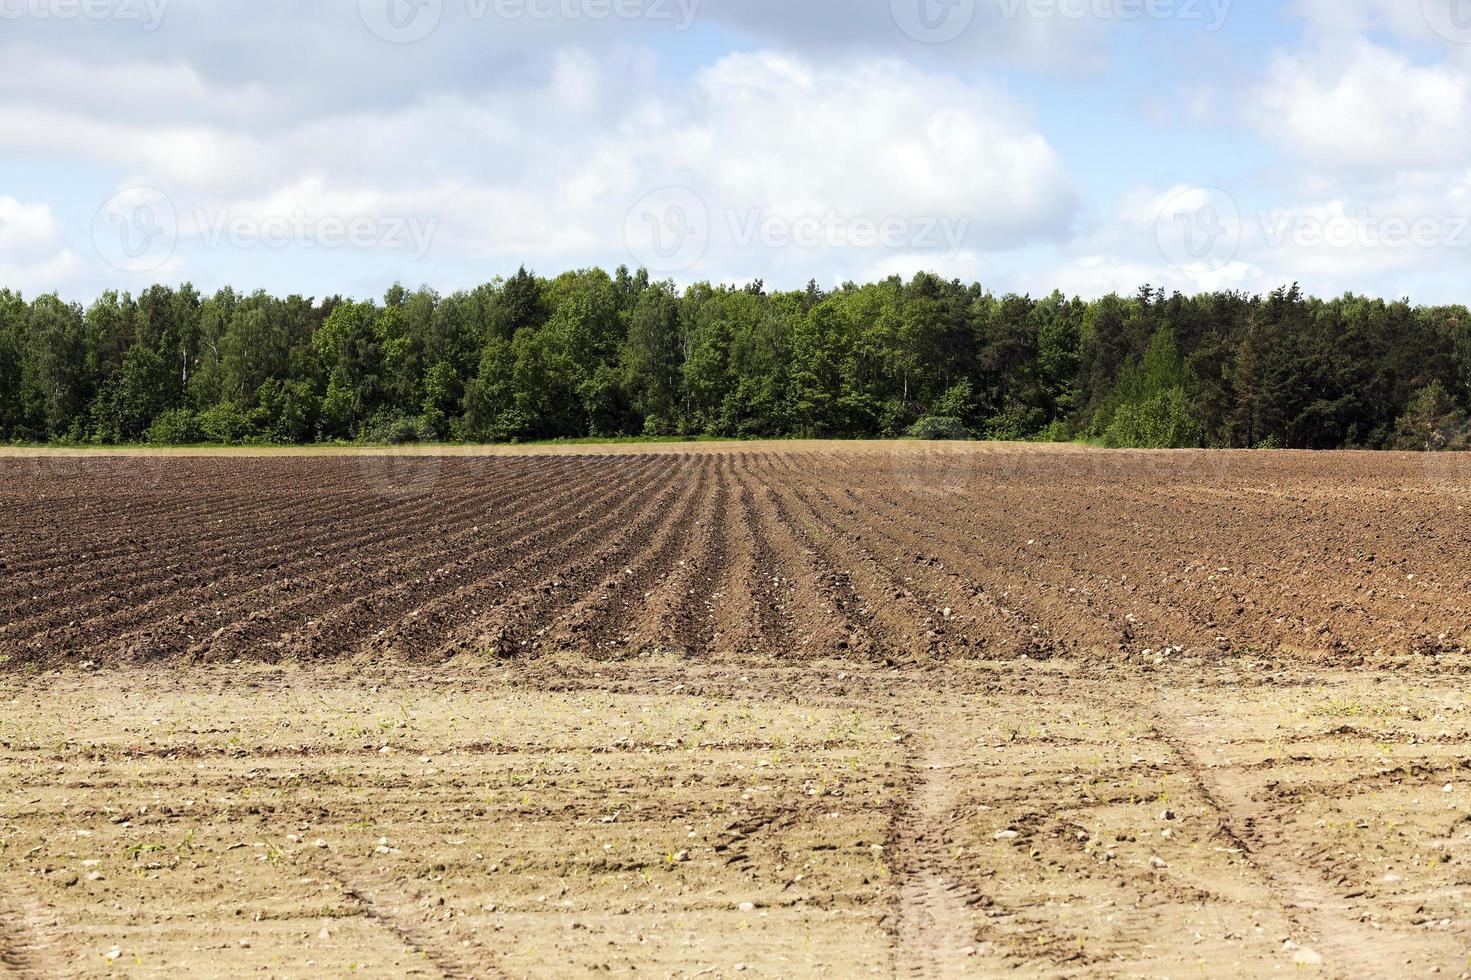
[739,710]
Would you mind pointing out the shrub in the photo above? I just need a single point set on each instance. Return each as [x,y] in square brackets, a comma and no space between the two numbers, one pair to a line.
[1015,423]
[175,427]
[1160,422]
[939,427]
[393,429]
[225,423]
[1432,422]
[1060,430]
[288,411]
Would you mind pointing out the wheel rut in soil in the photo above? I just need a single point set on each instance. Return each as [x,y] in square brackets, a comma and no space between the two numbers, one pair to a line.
[936,926]
[1335,933]
[27,940]
[412,922]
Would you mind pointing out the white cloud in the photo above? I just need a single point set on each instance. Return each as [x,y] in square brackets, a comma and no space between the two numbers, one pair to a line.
[1091,276]
[1360,105]
[527,139]
[1407,235]
[967,266]
[26,229]
[43,275]
[879,141]
[872,160]
[985,32]
[32,256]
[140,91]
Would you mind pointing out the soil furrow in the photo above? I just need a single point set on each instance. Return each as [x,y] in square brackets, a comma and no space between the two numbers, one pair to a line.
[674,614]
[306,553]
[606,615]
[252,611]
[743,616]
[568,570]
[470,622]
[816,587]
[391,598]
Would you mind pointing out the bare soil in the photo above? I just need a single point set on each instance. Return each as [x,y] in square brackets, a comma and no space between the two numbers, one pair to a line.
[735,710]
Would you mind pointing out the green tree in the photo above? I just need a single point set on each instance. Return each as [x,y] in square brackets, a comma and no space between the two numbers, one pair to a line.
[12,348]
[348,348]
[1433,422]
[653,360]
[55,387]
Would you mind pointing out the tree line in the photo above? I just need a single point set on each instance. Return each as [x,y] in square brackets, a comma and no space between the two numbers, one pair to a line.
[588,354]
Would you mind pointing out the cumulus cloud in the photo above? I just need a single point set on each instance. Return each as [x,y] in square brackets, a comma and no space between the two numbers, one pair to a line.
[992,33]
[744,138]
[59,272]
[1410,235]
[1362,105]
[32,257]
[27,227]
[794,163]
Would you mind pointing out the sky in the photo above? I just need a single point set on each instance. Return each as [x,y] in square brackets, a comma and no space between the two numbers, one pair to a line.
[331,147]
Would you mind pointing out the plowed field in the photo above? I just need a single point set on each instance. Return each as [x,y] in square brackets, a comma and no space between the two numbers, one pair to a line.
[896,556]
[735,710]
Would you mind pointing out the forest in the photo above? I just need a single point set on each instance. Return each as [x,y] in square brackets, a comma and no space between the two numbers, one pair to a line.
[588,354]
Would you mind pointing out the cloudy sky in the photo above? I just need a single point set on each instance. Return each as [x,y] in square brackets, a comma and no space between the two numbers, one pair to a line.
[322,146]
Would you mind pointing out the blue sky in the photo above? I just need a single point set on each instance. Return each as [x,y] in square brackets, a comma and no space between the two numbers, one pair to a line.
[337,146]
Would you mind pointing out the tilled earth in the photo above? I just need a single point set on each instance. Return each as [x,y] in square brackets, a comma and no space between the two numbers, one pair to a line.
[757,711]
[888,555]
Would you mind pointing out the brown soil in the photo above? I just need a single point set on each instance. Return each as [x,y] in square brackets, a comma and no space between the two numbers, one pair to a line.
[736,710]
[893,555]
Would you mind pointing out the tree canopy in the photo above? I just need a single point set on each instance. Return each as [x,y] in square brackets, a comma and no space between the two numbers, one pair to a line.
[587,354]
